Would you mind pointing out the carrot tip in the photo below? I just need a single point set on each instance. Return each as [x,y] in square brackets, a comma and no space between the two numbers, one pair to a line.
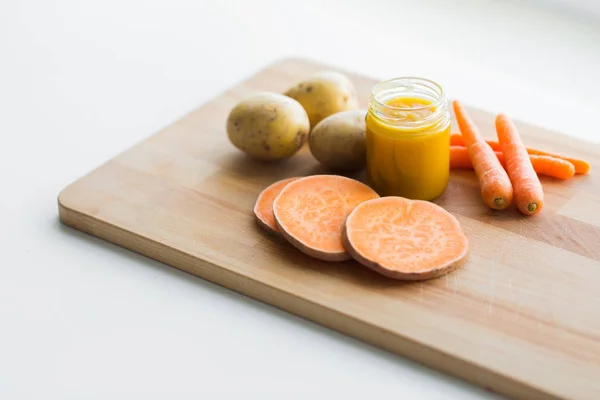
[499,202]
[531,207]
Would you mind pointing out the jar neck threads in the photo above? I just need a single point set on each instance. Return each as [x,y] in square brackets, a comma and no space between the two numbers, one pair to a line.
[432,112]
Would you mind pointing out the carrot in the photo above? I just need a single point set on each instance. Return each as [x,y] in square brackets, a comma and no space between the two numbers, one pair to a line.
[496,188]
[263,208]
[457,139]
[581,166]
[459,158]
[552,166]
[310,213]
[528,189]
[543,165]
[405,239]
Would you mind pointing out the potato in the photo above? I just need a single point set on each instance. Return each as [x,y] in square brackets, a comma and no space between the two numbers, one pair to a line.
[324,94]
[338,141]
[268,126]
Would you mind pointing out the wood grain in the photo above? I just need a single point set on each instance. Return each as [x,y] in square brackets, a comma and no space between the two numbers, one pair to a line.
[522,317]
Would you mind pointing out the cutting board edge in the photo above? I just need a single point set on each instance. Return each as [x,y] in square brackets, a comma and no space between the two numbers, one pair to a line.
[436,359]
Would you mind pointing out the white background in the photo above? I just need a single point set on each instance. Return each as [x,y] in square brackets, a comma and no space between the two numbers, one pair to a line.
[81,81]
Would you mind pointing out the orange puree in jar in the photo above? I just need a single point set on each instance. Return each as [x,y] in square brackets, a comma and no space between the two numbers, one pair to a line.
[408,139]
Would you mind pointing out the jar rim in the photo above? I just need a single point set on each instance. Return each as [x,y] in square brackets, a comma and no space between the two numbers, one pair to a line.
[440,95]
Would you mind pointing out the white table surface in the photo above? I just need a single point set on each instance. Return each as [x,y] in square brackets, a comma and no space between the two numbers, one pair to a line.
[83,80]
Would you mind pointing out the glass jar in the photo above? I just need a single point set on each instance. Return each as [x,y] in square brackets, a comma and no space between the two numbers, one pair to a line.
[408,139]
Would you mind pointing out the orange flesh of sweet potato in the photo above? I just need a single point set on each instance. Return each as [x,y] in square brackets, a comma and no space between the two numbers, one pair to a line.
[310,213]
[405,239]
[263,208]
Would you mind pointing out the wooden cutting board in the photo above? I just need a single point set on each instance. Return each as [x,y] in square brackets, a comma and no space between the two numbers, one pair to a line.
[522,317]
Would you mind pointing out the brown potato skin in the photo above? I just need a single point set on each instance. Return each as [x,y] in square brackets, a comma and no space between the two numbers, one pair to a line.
[268,126]
[339,141]
[421,276]
[324,94]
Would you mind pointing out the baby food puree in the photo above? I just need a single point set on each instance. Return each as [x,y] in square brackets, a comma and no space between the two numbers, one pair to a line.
[408,139]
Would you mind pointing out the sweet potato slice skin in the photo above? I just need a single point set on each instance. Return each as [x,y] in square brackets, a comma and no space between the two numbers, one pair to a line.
[310,213]
[405,239]
[263,208]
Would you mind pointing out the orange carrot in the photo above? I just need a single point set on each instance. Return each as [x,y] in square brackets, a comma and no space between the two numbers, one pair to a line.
[435,243]
[496,188]
[527,187]
[459,158]
[456,139]
[552,166]
[581,166]
[543,165]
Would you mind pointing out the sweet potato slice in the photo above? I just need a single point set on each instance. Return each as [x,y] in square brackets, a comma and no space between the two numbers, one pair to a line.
[405,239]
[310,213]
[263,208]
